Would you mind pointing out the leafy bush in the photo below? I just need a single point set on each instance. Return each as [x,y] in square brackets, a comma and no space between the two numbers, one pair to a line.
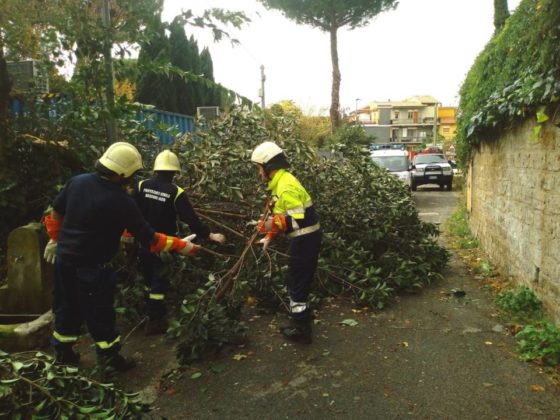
[34,387]
[374,244]
[540,343]
[521,303]
[208,327]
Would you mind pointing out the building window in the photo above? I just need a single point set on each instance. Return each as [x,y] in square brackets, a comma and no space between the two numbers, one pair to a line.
[396,115]
[410,115]
[422,134]
[405,132]
[446,130]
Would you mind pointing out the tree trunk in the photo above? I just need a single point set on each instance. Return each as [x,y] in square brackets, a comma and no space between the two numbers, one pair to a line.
[335,93]
[5,88]
[501,13]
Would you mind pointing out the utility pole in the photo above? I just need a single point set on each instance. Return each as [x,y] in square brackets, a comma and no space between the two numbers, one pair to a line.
[109,87]
[435,123]
[356,116]
[263,78]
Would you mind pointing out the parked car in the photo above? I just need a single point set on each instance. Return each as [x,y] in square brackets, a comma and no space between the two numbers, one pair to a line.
[395,161]
[431,168]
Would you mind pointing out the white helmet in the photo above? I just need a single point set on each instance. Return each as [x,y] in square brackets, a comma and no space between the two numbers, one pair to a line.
[167,161]
[264,152]
[122,158]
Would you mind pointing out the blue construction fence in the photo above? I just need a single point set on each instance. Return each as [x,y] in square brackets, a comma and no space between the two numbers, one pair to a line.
[166,125]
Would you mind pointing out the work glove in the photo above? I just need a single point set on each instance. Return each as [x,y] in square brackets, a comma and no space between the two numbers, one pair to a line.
[217,237]
[264,226]
[127,238]
[190,249]
[50,251]
[265,242]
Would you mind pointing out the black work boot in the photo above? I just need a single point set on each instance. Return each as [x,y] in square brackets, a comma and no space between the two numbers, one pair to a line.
[298,331]
[116,362]
[156,326]
[66,356]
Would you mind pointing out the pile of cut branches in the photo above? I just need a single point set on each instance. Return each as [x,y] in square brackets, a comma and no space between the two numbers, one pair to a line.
[374,244]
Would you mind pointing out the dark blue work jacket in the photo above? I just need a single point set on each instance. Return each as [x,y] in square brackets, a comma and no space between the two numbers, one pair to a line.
[95,212]
[162,202]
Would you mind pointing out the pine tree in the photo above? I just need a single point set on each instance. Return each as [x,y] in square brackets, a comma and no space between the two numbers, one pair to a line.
[153,87]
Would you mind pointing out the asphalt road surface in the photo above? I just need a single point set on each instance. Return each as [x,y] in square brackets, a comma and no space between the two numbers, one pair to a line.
[437,354]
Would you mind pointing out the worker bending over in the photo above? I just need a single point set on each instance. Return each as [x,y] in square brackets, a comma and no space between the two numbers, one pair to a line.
[293,213]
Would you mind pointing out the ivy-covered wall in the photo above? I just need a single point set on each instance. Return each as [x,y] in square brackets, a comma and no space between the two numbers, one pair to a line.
[509,138]
[516,76]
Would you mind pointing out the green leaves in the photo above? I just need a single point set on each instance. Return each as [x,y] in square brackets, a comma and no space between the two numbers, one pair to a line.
[35,387]
[349,322]
[516,76]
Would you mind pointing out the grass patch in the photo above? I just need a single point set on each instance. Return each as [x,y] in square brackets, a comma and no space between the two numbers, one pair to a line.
[539,339]
[458,226]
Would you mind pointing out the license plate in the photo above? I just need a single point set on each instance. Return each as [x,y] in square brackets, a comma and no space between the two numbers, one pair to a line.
[432,177]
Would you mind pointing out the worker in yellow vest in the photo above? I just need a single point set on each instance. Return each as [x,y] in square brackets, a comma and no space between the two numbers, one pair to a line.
[293,214]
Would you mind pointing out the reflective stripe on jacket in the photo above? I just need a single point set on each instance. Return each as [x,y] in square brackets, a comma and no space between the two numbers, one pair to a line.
[292,201]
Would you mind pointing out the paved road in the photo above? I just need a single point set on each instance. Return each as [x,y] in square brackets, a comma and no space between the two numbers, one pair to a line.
[430,356]
[434,205]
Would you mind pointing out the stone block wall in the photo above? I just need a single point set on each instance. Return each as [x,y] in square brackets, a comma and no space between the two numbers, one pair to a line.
[513,198]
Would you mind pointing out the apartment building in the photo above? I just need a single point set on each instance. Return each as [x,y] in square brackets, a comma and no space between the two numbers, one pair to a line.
[410,121]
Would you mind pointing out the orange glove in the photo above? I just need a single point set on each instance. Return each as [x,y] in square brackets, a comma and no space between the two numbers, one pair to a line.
[53,226]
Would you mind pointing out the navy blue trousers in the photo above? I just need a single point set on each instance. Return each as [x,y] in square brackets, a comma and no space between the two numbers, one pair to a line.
[302,264]
[152,269]
[85,294]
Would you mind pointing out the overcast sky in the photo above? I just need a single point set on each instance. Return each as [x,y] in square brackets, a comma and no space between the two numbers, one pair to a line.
[424,47]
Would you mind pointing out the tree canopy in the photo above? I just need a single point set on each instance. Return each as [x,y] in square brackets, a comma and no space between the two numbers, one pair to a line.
[329,16]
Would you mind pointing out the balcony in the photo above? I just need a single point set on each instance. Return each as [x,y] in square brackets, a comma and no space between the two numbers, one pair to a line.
[412,121]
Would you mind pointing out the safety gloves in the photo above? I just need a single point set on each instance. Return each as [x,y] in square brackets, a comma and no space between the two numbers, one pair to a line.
[271,227]
[50,251]
[217,237]
[53,227]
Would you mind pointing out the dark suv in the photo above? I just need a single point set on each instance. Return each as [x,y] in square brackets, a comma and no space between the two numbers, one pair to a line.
[431,168]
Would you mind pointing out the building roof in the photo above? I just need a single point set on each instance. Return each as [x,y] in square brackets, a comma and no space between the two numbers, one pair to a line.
[424,99]
[412,102]
[389,104]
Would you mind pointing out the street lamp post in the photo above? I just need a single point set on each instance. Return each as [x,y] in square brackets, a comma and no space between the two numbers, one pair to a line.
[356,116]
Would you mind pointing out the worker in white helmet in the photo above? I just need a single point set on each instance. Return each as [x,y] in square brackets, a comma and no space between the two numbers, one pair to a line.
[162,204]
[294,215]
[84,227]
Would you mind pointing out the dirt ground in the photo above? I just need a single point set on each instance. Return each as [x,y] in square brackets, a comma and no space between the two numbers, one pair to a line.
[442,353]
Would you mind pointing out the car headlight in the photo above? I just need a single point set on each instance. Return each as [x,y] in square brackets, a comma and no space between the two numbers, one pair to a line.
[447,170]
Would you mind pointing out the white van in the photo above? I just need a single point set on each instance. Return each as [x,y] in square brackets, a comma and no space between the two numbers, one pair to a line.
[395,161]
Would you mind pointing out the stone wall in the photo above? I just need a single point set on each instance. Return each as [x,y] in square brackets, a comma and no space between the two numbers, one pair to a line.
[513,196]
